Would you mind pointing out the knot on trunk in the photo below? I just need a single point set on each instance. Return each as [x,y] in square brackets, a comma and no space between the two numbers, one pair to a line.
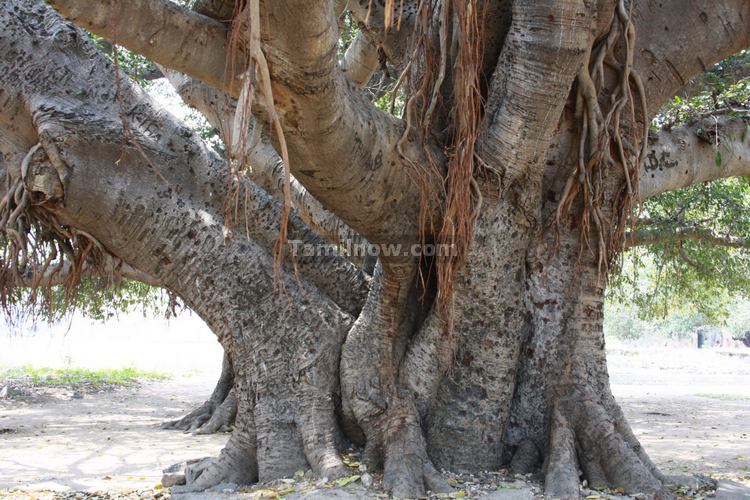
[42,180]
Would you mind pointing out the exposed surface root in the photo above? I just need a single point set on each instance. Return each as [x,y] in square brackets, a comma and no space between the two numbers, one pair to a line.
[408,471]
[280,451]
[194,420]
[236,464]
[218,413]
[373,378]
[222,419]
[277,433]
[319,441]
[586,435]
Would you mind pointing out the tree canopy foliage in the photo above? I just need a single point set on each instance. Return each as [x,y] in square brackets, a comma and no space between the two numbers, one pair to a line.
[694,257]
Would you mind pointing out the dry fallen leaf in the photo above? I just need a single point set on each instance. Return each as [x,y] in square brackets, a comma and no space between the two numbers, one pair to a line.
[347,480]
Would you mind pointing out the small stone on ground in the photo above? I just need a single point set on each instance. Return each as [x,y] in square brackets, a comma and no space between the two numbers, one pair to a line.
[730,490]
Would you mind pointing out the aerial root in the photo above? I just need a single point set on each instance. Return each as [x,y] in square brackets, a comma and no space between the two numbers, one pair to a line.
[600,133]
[38,246]
[245,41]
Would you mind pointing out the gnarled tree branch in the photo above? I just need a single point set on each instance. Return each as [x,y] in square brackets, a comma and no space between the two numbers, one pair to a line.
[346,152]
[711,148]
[266,166]
[165,33]
[668,55]
[341,148]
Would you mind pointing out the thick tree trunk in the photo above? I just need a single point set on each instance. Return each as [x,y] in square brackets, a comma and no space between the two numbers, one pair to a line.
[519,376]
[154,197]
[563,409]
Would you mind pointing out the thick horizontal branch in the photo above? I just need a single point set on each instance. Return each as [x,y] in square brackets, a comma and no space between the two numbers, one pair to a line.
[712,148]
[341,147]
[160,30]
[650,236]
[346,152]
[678,40]
[267,169]
[161,159]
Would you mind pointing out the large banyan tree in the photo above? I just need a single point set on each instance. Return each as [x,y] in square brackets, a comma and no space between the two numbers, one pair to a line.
[498,201]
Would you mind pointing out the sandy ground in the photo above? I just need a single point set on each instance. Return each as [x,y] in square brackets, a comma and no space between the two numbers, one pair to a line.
[690,408]
[103,441]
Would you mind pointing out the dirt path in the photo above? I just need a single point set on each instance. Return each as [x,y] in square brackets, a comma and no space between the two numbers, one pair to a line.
[689,408]
[102,441]
[694,434]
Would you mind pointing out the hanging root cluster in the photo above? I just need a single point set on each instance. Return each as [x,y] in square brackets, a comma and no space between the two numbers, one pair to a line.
[37,252]
[604,144]
[446,105]
[244,44]
[461,209]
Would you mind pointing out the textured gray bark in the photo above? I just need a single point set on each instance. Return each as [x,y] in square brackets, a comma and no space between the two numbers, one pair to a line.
[712,147]
[520,377]
[218,412]
[165,219]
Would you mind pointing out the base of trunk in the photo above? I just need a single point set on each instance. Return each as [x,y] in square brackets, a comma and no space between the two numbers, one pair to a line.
[236,464]
[590,433]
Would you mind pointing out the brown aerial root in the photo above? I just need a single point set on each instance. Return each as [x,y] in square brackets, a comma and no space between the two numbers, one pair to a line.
[245,42]
[460,209]
[603,144]
[38,252]
[389,11]
[587,434]
[461,28]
